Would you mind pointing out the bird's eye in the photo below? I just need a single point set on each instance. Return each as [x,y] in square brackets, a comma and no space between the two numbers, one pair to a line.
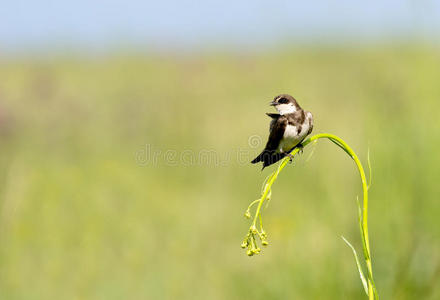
[283,101]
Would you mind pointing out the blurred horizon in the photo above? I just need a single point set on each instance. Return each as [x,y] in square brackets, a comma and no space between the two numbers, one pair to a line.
[99,27]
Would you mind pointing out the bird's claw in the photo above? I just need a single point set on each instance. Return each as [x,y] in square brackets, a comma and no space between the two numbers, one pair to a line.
[301,148]
[290,157]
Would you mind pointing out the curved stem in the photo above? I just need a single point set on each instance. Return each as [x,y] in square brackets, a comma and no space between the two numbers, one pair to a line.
[363,222]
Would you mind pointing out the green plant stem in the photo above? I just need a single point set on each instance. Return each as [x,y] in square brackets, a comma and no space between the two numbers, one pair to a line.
[363,222]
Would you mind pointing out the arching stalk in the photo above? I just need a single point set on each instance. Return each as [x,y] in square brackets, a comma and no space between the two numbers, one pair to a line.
[250,241]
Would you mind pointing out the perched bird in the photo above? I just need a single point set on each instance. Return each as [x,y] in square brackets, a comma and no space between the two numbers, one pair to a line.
[288,129]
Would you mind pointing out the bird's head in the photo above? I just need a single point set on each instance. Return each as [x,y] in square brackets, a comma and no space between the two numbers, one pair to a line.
[285,104]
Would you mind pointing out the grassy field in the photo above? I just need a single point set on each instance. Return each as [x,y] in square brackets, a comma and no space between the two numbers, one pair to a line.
[106,191]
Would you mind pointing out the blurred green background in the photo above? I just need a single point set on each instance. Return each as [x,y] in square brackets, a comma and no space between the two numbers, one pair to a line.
[124,170]
[86,214]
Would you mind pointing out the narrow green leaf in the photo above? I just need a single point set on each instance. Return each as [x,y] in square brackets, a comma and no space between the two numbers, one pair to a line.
[361,274]
[340,146]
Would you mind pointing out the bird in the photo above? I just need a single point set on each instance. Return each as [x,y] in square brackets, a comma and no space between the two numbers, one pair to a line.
[288,128]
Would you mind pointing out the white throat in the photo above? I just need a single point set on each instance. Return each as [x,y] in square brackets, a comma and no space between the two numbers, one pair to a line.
[285,108]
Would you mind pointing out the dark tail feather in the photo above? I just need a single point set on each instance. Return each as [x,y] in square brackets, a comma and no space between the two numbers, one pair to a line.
[271,159]
[268,158]
[263,156]
[258,158]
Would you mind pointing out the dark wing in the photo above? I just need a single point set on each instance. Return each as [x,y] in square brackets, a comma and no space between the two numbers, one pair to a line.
[273,116]
[276,134]
[273,121]
[269,154]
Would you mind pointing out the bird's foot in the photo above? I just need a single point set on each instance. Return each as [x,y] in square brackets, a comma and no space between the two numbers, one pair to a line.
[290,157]
[301,148]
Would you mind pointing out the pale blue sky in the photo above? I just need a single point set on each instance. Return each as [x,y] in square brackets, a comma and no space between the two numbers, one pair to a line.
[95,24]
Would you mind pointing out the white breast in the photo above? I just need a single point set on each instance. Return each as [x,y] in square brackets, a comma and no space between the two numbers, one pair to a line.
[290,132]
[292,137]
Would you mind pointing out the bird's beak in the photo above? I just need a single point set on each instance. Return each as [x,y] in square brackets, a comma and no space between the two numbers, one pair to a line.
[273,103]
